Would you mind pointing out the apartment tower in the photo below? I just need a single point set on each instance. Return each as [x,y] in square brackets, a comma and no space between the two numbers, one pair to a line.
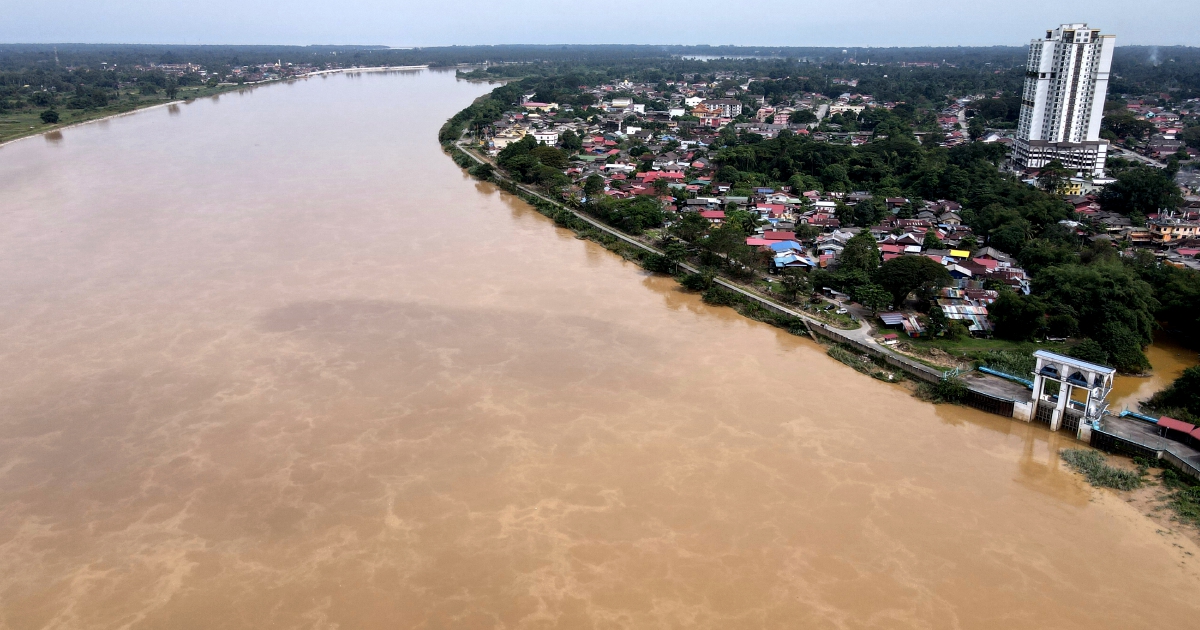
[1062,105]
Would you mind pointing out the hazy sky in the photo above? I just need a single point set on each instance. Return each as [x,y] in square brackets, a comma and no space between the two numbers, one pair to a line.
[445,22]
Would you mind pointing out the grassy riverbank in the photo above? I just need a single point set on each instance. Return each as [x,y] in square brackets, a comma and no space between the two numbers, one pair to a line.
[1164,493]
[28,122]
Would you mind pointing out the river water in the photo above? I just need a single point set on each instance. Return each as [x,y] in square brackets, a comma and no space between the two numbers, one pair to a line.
[272,360]
[1169,360]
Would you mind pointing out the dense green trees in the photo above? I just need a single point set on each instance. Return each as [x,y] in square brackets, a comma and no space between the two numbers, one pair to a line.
[997,110]
[690,227]
[1108,303]
[795,284]
[908,274]
[634,215]
[871,296]
[593,185]
[1181,399]
[860,255]
[1053,177]
[1191,136]
[869,212]
[1124,125]
[476,116]
[802,117]
[570,141]
[89,98]
[1178,294]
[550,156]
[931,240]
[1141,190]
[997,206]
[1114,303]
[1017,317]
[534,163]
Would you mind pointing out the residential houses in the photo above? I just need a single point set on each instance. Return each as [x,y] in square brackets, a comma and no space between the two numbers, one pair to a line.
[658,154]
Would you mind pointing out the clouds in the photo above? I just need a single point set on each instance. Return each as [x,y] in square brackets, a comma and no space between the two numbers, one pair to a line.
[411,23]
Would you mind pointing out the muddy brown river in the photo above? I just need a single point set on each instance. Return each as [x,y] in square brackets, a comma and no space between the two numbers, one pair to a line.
[273,361]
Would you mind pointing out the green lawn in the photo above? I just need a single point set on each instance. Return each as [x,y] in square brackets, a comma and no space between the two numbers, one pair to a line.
[969,346]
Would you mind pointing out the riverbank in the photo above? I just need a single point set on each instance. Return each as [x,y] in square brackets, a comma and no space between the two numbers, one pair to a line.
[717,290]
[926,380]
[27,124]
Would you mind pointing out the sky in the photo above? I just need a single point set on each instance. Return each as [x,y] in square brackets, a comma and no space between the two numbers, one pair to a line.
[874,23]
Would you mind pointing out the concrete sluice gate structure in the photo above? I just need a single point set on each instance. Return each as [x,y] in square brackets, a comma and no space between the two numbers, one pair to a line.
[1067,394]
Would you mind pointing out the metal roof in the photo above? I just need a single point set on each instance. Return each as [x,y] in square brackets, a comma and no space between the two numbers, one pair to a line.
[1062,358]
[1176,425]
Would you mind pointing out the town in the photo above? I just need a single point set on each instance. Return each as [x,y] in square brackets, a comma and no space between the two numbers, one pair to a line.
[677,142]
[921,225]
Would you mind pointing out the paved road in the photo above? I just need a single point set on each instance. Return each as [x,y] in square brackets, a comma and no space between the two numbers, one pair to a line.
[1130,155]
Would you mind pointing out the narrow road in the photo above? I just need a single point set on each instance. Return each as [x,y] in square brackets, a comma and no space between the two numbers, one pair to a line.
[1127,154]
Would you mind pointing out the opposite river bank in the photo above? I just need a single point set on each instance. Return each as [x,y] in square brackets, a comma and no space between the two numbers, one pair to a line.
[273,360]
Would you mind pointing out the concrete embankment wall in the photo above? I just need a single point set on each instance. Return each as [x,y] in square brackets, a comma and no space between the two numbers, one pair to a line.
[1124,446]
[1177,462]
[912,368]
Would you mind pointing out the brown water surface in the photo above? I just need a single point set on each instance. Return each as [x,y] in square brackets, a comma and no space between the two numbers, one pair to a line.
[274,361]
[1168,359]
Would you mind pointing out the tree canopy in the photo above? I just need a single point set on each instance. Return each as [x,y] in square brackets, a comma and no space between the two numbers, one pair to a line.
[908,274]
[1141,190]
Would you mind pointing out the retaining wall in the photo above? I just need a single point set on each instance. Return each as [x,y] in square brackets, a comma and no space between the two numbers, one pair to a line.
[912,368]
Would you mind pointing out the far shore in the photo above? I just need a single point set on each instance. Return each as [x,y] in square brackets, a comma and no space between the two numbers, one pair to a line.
[223,88]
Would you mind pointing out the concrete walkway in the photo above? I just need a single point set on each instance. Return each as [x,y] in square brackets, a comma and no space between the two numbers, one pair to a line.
[1146,434]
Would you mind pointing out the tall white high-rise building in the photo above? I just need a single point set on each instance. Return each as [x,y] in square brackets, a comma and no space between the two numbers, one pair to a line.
[1066,80]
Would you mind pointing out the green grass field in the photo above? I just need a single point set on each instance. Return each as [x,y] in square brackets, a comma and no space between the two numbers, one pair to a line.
[970,345]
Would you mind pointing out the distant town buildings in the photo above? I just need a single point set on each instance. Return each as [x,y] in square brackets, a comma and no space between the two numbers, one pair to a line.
[1063,101]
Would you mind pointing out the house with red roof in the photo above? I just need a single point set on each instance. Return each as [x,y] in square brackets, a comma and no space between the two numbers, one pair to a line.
[779,235]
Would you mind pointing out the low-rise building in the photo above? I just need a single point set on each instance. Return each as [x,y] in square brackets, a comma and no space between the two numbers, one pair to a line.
[1167,230]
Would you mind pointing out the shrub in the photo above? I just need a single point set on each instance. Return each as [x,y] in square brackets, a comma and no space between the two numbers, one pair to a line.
[49,117]
[1012,362]
[718,296]
[947,390]
[481,171]
[1181,399]
[1093,466]
[696,281]
[1185,495]
[1090,351]
[657,263]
